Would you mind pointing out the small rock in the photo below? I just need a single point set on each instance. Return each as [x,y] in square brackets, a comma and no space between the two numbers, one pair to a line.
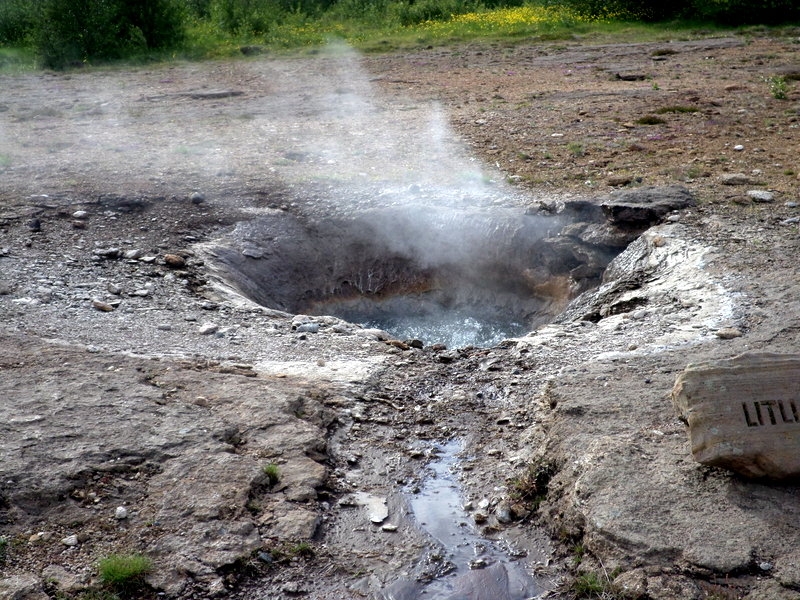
[134,254]
[308,328]
[141,293]
[503,513]
[113,288]
[765,566]
[121,513]
[738,147]
[70,540]
[478,563]
[761,196]
[792,205]
[480,517]
[619,180]
[468,506]
[164,327]
[174,261]
[34,225]
[294,587]
[208,328]
[728,333]
[102,306]
[389,527]
[79,224]
[734,179]
[108,253]
[80,214]
[197,197]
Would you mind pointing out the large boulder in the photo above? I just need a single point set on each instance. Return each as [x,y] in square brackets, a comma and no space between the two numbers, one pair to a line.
[743,413]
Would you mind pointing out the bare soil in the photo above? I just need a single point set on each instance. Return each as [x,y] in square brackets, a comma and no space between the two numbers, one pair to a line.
[112,396]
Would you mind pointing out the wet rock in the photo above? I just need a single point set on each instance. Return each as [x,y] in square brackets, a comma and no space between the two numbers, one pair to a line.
[376,506]
[743,413]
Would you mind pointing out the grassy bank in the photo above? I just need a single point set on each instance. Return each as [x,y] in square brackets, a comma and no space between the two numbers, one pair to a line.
[54,35]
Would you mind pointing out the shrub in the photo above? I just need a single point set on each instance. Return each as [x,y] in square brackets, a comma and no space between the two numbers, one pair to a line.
[124,570]
[77,31]
[18,19]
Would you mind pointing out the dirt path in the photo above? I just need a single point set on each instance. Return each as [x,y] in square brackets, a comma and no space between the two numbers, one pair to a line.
[131,381]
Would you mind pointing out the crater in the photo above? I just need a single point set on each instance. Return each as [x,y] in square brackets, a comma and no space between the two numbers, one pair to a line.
[456,276]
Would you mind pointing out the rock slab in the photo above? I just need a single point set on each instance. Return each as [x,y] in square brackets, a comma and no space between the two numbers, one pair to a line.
[743,413]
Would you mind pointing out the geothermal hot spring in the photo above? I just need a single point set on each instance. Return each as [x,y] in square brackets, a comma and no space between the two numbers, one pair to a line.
[406,232]
[396,227]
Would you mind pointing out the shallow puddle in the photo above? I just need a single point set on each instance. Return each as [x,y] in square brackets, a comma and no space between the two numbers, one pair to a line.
[466,565]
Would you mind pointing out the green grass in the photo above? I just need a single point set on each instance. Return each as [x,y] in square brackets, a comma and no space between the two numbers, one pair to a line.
[273,473]
[393,28]
[123,570]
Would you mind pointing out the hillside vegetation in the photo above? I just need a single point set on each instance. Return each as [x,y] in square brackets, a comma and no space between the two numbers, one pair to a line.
[68,33]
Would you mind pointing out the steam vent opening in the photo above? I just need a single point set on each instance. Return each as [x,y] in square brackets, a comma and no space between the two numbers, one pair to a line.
[456,276]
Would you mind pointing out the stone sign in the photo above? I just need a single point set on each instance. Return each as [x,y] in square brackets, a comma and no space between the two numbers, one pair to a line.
[744,413]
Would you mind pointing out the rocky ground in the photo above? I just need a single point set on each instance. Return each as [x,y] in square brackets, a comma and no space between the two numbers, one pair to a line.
[245,445]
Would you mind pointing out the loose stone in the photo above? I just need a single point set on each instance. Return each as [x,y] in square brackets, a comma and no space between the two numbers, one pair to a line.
[80,214]
[70,540]
[728,333]
[761,196]
[121,513]
[208,328]
[174,261]
[734,179]
[102,306]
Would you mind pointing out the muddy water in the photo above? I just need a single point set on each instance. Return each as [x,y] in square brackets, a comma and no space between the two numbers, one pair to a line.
[468,566]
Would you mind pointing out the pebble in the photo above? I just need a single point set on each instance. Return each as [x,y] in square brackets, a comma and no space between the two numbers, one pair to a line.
[113,288]
[308,328]
[80,214]
[164,327]
[197,197]
[389,527]
[174,261]
[102,306]
[738,147]
[208,328]
[70,540]
[121,513]
[142,293]
[728,333]
[792,205]
[35,225]
[761,196]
